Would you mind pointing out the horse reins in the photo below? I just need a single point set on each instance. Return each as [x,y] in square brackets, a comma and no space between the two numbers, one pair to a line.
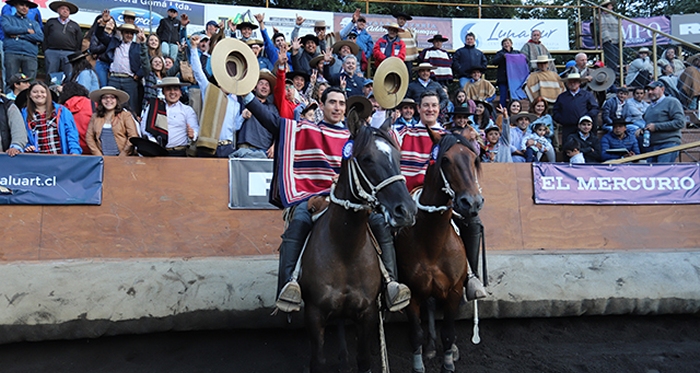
[362,194]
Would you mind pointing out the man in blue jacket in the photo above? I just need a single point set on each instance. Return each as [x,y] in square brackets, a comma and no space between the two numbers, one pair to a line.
[22,38]
[358,25]
[467,59]
[8,9]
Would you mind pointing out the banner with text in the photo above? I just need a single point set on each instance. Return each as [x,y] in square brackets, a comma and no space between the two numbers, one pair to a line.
[631,184]
[249,183]
[29,179]
[633,35]
[490,32]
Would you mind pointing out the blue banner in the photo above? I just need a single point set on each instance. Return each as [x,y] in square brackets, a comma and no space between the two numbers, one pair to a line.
[37,179]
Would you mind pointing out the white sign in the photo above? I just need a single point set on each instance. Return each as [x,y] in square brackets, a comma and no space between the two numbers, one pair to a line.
[490,32]
[259,183]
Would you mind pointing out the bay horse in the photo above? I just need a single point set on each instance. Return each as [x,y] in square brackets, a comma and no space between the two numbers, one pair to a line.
[341,277]
[430,255]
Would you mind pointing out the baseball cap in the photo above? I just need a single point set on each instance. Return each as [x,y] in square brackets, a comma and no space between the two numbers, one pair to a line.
[655,84]
[212,23]
[585,118]
[367,82]
[17,78]
[172,8]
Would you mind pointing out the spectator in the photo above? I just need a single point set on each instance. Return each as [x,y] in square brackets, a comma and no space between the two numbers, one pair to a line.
[153,44]
[409,38]
[461,118]
[481,119]
[439,58]
[62,37]
[256,45]
[634,109]
[340,50]
[617,139]
[22,38]
[573,151]
[74,96]
[581,66]
[352,37]
[467,58]
[407,111]
[689,83]
[124,57]
[286,96]
[610,35]
[368,87]
[211,28]
[353,81]
[640,70]
[183,126]
[301,58]
[17,83]
[534,48]
[423,83]
[389,45]
[169,33]
[613,107]
[272,46]
[514,107]
[324,40]
[461,99]
[543,82]
[154,77]
[502,73]
[589,145]
[10,10]
[572,105]
[111,126]
[670,81]
[13,134]
[479,89]
[254,141]
[496,147]
[50,126]
[83,73]
[522,123]
[668,58]
[664,120]
[536,143]
[97,48]
[129,17]
[358,26]
[540,108]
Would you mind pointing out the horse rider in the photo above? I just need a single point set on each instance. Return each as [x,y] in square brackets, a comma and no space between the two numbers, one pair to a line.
[416,147]
[294,191]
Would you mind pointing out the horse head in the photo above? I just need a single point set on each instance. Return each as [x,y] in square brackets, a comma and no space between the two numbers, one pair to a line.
[455,165]
[374,173]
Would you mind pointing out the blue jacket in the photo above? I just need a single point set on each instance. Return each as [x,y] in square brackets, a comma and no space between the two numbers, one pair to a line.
[465,59]
[568,109]
[272,52]
[364,39]
[609,110]
[112,43]
[610,141]
[32,14]
[66,130]
[23,43]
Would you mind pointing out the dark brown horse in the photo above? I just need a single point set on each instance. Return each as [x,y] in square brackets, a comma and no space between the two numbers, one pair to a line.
[430,255]
[341,276]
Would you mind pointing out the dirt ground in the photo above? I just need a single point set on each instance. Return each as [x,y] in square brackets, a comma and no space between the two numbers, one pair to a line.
[582,344]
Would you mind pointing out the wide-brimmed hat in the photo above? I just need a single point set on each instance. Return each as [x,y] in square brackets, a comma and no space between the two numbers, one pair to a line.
[311,106]
[29,3]
[246,24]
[354,48]
[476,68]
[438,37]
[128,27]
[122,97]
[71,7]
[407,102]
[361,104]
[148,148]
[293,74]
[77,56]
[308,37]
[129,13]
[391,82]
[171,81]
[393,25]
[314,61]
[424,66]
[269,76]
[320,23]
[405,15]
[643,50]
[573,76]
[487,105]
[523,114]
[460,110]
[603,78]
[542,59]
[235,66]
[254,42]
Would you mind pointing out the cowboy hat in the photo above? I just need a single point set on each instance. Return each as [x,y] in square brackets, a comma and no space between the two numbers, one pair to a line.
[424,66]
[308,37]
[523,114]
[76,56]
[361,105]
[314,61]
[542,59]
[603,78]
[293,74]
[393,25]
[405,15]
[438,37]
[390,82]
[311,106]
[128,27]
[29,3]
[407,102]
[171,81]
[246,24]
[122,97]
[254,42]
[354,48]
[320,23]
[460,110]
[267,75]
[476,68]
[487,105]
[129,13]
[57,4]
[148,148]
[235,66]
[573,76]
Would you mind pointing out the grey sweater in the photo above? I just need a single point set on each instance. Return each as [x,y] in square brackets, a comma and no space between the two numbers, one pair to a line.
[668,118]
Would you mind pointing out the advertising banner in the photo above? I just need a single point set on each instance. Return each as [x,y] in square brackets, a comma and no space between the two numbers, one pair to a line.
[249,183]
[424,27]
[490,32]
[33,179]
[629,184]
[686,27]
[634,35]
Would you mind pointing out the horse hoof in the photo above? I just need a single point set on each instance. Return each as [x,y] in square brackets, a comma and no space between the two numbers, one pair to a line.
[455,352]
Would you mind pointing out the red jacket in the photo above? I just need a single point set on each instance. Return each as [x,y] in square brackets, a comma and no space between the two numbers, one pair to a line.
[81,107]
[398,47]
[284,106]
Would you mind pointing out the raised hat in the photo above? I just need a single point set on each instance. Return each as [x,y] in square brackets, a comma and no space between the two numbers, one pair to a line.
[393,25]
[29,3]
[235,66]
[361,105]
[390,82]
[71,7]
[405,15]
[603,78]
[267,75]
[122,97]
[523,114]
[171,81]
[354,48]
[437,37]
[542,59]
[308,37]
[585,118]
[148,148]
[424,66]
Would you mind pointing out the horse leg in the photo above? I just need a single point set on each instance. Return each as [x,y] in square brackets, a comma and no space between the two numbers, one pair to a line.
[416,335]
[365,330]
[343,347]
[430,350]
[316,326]
[448,333]
[470,233]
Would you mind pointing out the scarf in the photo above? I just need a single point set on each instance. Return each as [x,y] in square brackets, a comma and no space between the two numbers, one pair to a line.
[157,121]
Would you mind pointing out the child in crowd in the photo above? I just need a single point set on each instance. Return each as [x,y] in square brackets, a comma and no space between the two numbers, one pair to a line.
[535,143]
[571,148]
[589,143]
[478,89]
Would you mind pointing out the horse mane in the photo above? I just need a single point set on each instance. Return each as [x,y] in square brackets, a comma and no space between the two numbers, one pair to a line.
[448,140]
[366,134]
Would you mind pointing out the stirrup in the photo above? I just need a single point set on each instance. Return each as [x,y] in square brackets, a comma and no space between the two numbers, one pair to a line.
[397,296]
[475,289]
[289,299]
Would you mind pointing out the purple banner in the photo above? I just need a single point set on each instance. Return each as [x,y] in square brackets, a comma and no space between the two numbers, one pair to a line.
[634,35]
[629,184]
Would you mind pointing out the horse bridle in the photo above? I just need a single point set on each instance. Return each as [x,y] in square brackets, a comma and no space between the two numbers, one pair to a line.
[355,183]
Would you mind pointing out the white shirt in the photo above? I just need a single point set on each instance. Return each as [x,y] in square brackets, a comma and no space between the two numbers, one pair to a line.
[179,116]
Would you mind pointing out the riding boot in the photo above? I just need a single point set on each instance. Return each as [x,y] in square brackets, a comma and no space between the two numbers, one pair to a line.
[397,295]
[470,233]
[293,239]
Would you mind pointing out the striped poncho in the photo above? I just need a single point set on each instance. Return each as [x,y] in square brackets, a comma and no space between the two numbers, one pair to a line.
[416,145]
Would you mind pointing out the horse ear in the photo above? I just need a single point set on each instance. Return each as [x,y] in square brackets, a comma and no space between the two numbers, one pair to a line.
[386,126]
[435,136]
[353,122]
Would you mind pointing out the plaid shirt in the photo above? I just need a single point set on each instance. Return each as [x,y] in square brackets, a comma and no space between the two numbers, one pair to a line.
[46,133]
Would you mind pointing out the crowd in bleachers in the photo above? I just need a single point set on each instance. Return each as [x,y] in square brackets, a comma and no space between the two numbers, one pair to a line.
[114,83]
